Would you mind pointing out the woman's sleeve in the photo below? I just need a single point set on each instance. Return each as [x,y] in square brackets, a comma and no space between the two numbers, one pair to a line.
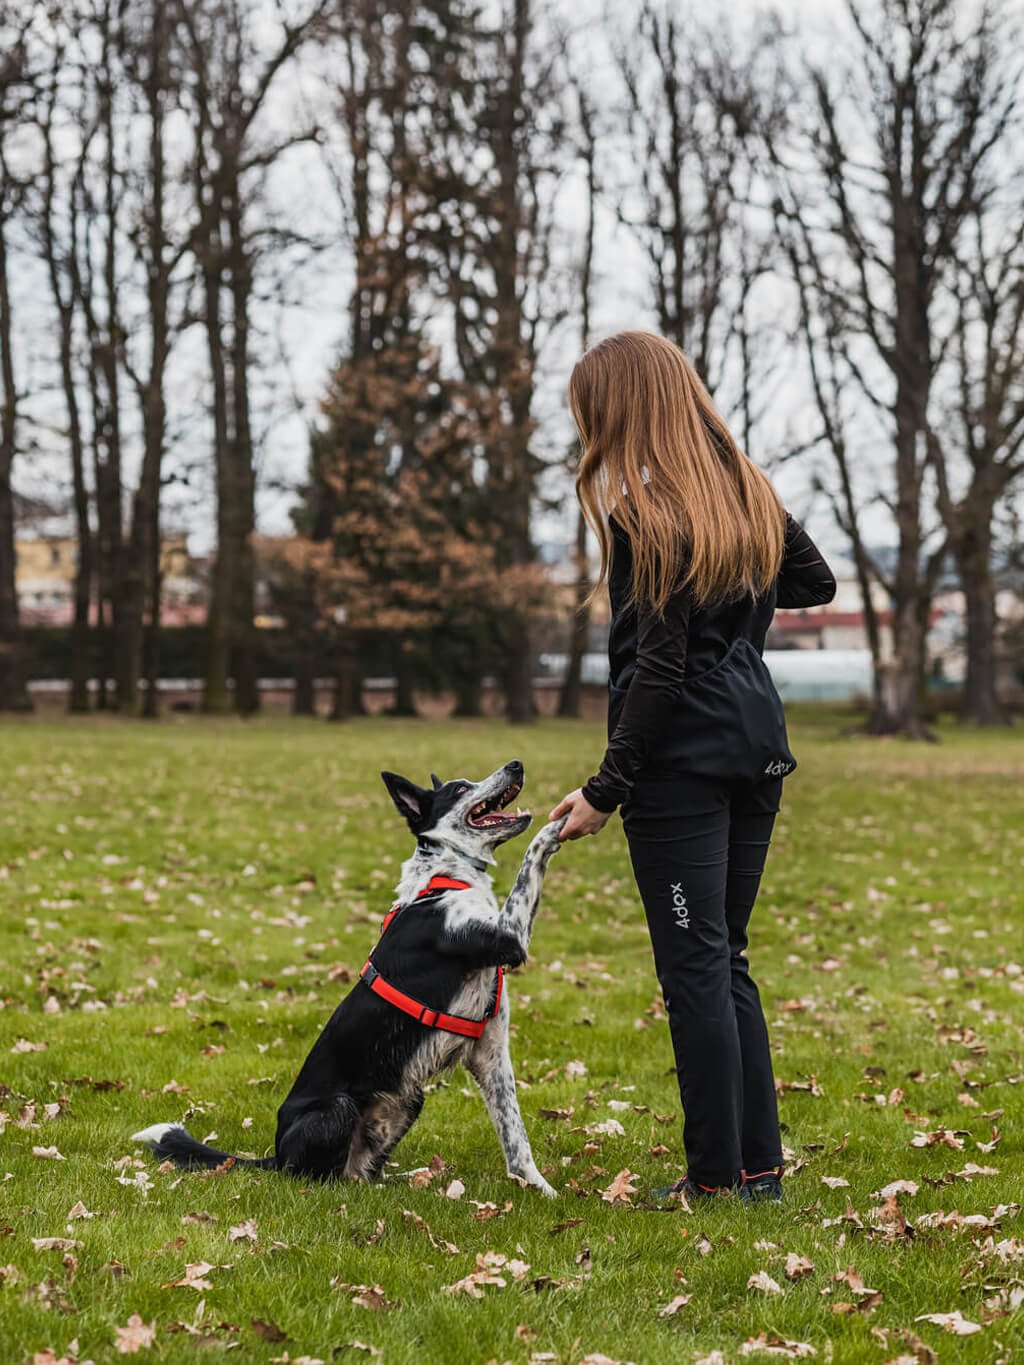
[653,688]
[805,580]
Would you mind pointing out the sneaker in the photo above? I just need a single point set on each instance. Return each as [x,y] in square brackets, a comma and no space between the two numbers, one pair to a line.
[762,1186]
[692,1191]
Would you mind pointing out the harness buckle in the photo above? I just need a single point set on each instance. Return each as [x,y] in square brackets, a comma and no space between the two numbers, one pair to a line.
[369,973]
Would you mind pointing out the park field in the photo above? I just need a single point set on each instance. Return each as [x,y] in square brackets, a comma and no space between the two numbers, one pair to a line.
[182,905]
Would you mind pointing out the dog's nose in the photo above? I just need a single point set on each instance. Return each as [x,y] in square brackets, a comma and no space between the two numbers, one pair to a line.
[515,767]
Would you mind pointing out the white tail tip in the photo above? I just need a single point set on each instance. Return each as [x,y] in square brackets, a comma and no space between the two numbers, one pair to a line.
[155,1133]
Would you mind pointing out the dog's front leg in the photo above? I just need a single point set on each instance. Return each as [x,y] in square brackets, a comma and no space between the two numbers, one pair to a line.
[519,910]
[491,1067]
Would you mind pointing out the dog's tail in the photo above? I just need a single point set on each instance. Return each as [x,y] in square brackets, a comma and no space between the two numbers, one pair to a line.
[172,1142]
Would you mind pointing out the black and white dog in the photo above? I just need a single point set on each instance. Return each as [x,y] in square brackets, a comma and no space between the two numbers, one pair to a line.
[430,996]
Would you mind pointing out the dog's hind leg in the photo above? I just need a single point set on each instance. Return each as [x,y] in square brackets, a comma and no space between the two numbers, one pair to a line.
[317,1141]
[384,1125]
[491,1067]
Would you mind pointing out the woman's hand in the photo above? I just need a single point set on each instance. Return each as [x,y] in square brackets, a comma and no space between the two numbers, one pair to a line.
[583,818]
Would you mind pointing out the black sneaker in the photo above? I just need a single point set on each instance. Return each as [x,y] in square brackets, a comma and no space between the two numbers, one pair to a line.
[692,1191]
[762,1187]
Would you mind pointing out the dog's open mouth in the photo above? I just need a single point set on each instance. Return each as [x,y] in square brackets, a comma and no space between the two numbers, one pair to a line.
[492,811]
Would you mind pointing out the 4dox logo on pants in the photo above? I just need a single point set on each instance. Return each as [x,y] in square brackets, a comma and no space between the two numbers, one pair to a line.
[679,909]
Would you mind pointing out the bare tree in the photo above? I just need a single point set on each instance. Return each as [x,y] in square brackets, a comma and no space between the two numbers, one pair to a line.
[229,87]
[58,228]
[981,417]
[14,82]
[500,266]
[899,147]
[571,691]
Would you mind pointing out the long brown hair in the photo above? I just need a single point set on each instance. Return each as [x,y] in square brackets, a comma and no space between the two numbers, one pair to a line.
[658,456]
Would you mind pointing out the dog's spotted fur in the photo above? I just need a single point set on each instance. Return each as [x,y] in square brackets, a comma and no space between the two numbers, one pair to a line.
[361,1087]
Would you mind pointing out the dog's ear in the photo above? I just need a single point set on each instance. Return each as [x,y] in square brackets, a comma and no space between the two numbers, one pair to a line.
[438,784]
[413,803]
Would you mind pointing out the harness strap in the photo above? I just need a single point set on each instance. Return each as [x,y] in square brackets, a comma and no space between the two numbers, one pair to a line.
[423,1014]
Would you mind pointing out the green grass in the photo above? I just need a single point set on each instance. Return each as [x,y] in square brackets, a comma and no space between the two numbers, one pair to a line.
[203,880]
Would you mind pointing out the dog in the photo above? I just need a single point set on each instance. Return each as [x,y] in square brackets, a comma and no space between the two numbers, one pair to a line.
[431,995]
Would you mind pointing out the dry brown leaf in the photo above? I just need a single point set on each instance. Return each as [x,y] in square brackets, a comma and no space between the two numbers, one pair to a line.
[136,1335]
[79,1211]
[953,1322]
[908,1187]
[763,1283]
[243,1232]
[763,1344]
[621,1190]
[485,1211]
[55,1243]
[47,1154]
[268,1331]
[673,1306]
[194,1276]
[797,1267]
[940,1137]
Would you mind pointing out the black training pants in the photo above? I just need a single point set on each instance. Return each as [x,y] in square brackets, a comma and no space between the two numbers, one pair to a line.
[698,848]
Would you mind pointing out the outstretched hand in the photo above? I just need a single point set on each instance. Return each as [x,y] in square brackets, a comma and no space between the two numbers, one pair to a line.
[583,818]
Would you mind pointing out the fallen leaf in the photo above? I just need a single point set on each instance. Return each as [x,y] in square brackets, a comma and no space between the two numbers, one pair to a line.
[908,1187]
[194,1276]
[763,1344]
[835,1182]
[48,1154]
[268,1331]
[942,1137]
[455,1190]
[55,1243]
[764,1283]
[797,1267]
[673,1306]
[134,1336]
[245,1231]
[486,1211]
[953,1322]
[621,1190]
[79,1211]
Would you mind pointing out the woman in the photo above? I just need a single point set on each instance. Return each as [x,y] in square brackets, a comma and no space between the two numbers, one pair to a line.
[697,552]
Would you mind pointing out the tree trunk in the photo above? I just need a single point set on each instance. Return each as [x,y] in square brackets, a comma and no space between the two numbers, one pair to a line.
[216,697]
[517,671]
[78,697]
[902,711]
[405,701]
[980,699]
[572,688]
[468,696]
[347,700]
[243,599]
[13,692]
[303,693]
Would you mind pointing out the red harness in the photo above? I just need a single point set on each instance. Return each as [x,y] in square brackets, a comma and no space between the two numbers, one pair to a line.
[450,1023]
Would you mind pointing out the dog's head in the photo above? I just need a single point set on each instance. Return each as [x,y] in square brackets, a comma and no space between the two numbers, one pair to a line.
[469,815]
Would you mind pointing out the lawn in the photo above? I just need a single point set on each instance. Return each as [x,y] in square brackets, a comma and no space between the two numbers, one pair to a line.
[182,905]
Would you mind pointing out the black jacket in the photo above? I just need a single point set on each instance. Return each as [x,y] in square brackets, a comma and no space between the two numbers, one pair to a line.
[688,690]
